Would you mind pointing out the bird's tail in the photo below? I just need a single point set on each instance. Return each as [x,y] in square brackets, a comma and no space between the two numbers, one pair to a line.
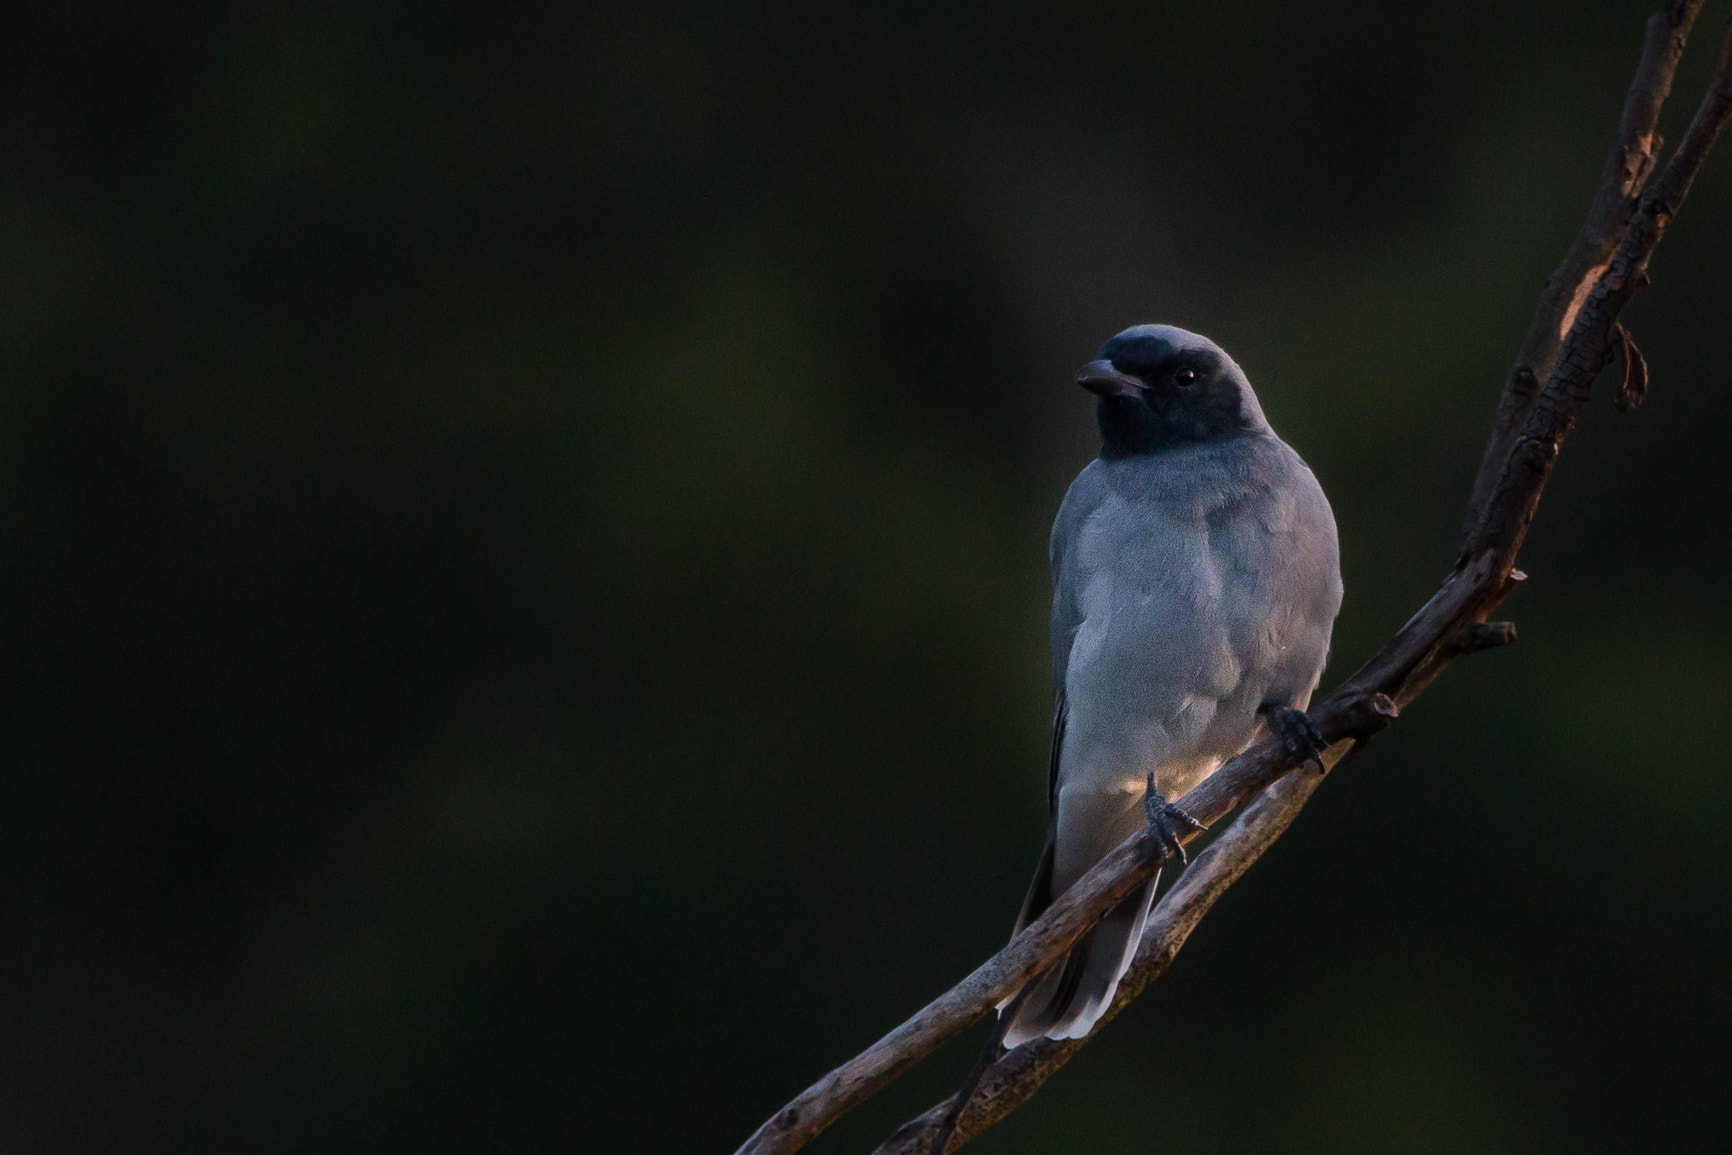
[1068,1001]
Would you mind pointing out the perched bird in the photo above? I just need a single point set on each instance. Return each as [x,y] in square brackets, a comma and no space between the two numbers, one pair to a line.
[1195,583]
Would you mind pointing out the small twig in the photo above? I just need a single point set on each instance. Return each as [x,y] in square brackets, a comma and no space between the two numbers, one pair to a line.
[1483,636]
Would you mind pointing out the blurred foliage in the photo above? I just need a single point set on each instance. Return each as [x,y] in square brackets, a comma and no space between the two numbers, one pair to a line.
[525,588]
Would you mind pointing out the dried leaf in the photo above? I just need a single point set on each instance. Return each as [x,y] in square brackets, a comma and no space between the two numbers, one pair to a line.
[1634,386]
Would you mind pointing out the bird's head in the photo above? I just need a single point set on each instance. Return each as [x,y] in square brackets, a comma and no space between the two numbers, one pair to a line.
[1161,387]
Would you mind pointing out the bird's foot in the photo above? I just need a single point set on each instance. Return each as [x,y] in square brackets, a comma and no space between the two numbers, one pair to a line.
[1295,727]
[1165,819]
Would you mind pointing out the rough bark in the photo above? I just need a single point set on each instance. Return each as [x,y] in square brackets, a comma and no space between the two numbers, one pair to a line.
[1627,168]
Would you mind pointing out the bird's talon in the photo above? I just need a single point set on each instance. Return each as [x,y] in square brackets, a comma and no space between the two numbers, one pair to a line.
[1164,821]
[1296,728]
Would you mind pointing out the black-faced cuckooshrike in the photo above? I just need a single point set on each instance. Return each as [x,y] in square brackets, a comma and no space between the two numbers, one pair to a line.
[1195,582]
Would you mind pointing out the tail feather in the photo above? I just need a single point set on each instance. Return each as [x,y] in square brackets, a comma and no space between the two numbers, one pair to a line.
[1072,997]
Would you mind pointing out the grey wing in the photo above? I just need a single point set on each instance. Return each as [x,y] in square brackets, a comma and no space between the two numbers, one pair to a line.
[1083,498]
[1288,606]
[1079,501]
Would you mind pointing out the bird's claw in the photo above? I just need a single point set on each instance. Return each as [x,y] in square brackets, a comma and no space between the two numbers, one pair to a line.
[1304,740]
[1164,820]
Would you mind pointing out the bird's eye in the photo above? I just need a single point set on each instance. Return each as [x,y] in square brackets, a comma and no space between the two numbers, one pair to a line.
[1186,377]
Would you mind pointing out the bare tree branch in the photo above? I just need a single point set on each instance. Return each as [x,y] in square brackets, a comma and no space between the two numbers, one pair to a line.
[1510,508]
[1013,1080]
[1451,624]
[1628,166]
[1347,715]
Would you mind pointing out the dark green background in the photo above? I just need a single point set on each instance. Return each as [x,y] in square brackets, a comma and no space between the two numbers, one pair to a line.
[523,593]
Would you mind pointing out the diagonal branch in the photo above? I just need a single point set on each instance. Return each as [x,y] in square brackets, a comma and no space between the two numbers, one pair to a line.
[1013,1080]
[1628,166]
[1510,507]
[1451,624]
[1347,715]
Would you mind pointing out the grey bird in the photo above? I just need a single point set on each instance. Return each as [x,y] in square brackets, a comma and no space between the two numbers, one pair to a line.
[1195,584]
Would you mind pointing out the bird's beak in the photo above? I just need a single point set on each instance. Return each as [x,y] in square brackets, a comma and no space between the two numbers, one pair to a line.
[1103,380]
